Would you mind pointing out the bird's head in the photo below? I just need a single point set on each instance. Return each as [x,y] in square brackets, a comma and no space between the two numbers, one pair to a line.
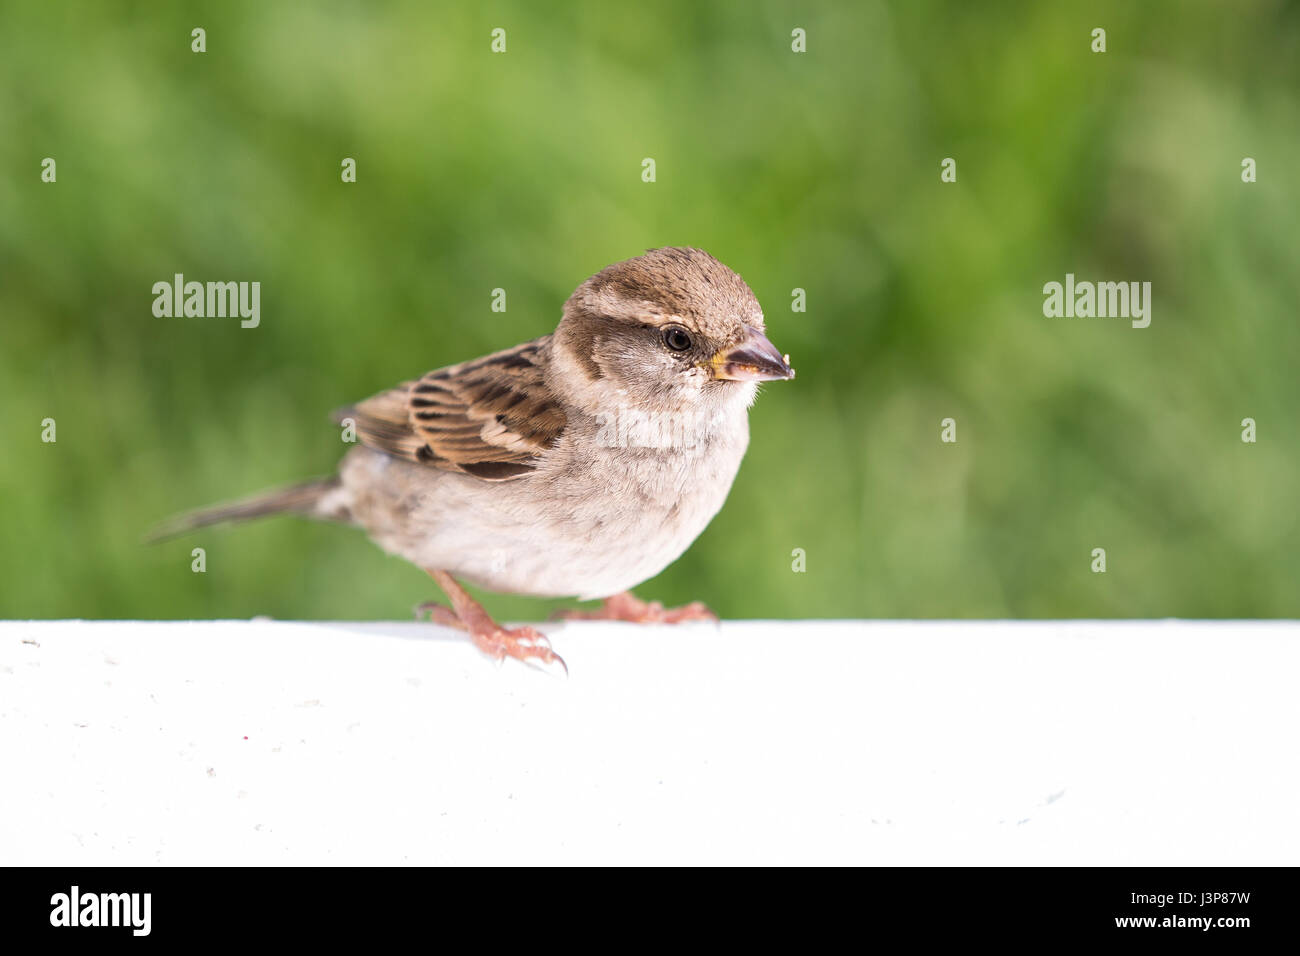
[673,330]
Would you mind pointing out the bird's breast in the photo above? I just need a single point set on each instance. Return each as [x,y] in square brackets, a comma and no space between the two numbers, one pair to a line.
[625,513]
[597,517]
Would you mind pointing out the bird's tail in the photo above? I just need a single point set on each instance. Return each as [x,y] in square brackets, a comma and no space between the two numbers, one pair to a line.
[319,498]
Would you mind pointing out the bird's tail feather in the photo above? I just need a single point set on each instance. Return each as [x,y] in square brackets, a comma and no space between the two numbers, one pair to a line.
[318,498]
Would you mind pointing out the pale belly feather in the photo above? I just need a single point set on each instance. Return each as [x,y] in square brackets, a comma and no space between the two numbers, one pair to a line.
[588,531]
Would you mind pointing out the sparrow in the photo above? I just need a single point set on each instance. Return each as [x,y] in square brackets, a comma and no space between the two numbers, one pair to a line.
[581,463]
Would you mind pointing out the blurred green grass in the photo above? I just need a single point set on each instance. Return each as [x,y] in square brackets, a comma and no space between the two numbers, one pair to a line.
[522,171]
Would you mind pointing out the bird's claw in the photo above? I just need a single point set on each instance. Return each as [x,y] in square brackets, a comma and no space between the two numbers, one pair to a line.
[526,644]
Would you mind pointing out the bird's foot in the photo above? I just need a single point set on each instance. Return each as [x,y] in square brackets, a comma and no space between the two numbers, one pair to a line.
[628,607]
[525,644]
[438,614]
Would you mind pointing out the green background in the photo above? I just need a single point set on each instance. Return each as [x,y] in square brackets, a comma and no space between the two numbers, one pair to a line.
[522,171]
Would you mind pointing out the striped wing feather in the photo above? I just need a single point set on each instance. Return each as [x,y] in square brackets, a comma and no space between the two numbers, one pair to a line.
[491,418]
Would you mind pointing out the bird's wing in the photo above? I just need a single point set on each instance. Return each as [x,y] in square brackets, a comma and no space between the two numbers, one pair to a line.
[491,418]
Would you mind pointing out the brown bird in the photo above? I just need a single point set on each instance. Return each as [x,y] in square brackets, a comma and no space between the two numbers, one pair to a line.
[578,464]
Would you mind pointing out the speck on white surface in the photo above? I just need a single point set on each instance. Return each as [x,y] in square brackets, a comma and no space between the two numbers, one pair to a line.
[237,742]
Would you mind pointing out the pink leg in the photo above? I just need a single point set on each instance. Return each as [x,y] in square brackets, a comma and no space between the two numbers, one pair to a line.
[526,644]
[628,607]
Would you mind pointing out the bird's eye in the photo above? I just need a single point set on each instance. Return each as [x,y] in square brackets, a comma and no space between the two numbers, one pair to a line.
[677,339]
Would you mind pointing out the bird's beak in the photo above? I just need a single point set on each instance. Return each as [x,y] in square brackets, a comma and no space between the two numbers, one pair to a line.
[754,359]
